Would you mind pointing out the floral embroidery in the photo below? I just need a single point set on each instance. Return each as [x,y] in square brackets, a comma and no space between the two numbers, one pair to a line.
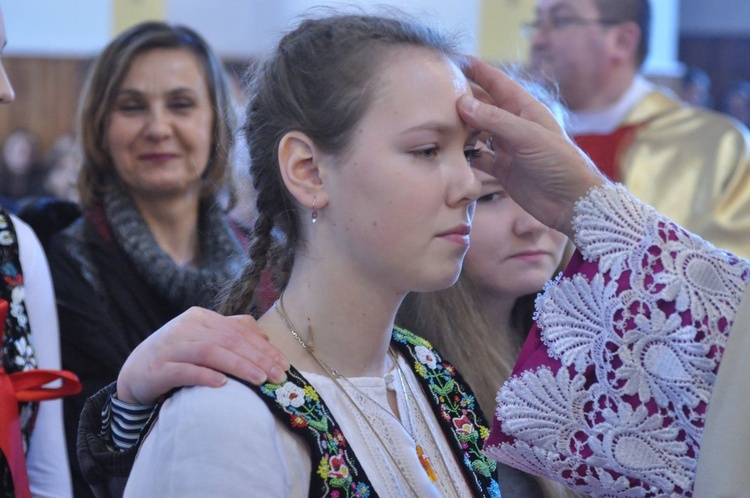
[337,473]
[633,334]
[6,238]
[425,356]
[454,405]
[290,395]
[17,350]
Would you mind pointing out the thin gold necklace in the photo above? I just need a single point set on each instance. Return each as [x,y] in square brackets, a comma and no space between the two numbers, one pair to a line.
[335,376]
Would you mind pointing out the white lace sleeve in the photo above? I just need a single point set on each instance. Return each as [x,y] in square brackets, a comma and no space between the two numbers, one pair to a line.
[611,390]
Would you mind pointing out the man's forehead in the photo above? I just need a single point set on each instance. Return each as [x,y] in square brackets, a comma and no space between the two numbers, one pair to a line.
[577,6]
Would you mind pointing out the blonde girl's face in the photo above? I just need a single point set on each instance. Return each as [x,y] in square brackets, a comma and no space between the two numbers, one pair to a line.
[511,253]
[159,130]
[402,197]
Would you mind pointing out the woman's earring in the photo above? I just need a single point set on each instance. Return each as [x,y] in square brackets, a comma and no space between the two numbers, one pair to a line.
[314,215]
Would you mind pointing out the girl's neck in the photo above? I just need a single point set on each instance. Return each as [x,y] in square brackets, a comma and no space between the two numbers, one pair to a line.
[351,323]
[174,225]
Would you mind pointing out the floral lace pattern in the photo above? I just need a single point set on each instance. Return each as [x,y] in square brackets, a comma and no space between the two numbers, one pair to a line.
[611,391]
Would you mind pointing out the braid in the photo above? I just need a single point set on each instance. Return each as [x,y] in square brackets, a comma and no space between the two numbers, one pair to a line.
[317,82]
[238,296]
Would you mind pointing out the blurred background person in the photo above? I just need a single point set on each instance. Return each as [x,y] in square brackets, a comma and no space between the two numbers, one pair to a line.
[155,124]
[691,164]
[63,164]
[22,167]
[737,101]
[695,88]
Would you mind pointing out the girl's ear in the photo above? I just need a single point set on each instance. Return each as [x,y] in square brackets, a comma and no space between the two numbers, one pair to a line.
[299,160]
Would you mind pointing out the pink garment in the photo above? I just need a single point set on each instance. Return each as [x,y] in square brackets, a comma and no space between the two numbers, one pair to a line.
[611,389]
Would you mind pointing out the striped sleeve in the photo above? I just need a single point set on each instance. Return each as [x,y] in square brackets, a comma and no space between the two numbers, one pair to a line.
[123,421]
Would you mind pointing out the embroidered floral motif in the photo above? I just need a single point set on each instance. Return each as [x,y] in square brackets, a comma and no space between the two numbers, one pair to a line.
[454,406]
[17,350]
[337,473]
[634,332]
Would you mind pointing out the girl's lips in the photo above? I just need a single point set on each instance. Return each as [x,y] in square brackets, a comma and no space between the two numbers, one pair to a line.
[458,235]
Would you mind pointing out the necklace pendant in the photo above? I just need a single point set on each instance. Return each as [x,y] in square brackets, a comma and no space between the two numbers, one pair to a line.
[426,465]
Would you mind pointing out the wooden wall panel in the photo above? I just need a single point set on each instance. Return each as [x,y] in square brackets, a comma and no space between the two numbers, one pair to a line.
[46,96]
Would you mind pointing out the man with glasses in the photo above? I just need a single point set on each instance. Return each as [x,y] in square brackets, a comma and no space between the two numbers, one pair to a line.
[691,164]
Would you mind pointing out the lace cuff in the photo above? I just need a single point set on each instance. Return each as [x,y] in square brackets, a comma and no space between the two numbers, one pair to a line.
[610,392]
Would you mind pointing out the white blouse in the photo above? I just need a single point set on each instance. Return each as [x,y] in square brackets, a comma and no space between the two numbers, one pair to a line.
[225,442]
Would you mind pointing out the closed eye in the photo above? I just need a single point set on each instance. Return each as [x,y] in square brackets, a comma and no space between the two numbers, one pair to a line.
[493,196]
[426,153]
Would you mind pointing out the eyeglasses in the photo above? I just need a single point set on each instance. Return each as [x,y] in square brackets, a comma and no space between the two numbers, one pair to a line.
[561,22]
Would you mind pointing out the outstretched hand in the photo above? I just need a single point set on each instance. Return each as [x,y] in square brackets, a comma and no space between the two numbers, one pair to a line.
[197,348]
[535,161]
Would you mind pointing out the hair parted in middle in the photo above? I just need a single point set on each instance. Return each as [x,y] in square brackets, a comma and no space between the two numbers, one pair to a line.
[99,94]
[320,81]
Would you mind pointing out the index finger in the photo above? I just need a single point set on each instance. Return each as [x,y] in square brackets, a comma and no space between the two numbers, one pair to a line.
[508,94]
[505,92]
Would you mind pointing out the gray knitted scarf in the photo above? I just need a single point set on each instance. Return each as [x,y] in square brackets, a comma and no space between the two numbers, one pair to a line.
[220,258]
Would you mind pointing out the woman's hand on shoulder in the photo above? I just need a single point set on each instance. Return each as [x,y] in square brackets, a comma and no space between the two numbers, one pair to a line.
[199,347]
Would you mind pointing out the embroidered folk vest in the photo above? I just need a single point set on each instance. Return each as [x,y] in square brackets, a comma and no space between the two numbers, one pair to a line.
[336,470]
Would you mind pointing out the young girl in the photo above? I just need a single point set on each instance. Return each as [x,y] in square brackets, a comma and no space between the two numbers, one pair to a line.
[361,161]
[481,322]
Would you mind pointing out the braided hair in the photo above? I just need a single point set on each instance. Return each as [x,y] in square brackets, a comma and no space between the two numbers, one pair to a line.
[318,81]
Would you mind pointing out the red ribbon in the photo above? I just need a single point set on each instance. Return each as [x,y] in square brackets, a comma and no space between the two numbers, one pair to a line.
[20,387]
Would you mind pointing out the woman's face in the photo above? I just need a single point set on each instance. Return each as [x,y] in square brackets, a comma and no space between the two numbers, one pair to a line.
[401,199]
[511,254]
[160,127]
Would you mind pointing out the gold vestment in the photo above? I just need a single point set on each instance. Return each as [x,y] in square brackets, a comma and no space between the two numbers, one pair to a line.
[693,166]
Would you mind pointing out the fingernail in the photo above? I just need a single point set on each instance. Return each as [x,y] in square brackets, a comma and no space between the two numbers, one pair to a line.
[282,362]
[469,104]
[258,377]
[277,375]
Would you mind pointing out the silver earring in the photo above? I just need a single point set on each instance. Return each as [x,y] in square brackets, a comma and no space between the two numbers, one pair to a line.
[314,214]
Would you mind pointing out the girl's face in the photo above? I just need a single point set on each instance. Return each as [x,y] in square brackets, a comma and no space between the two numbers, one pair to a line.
[401,198]
[159,130]
[512,254]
